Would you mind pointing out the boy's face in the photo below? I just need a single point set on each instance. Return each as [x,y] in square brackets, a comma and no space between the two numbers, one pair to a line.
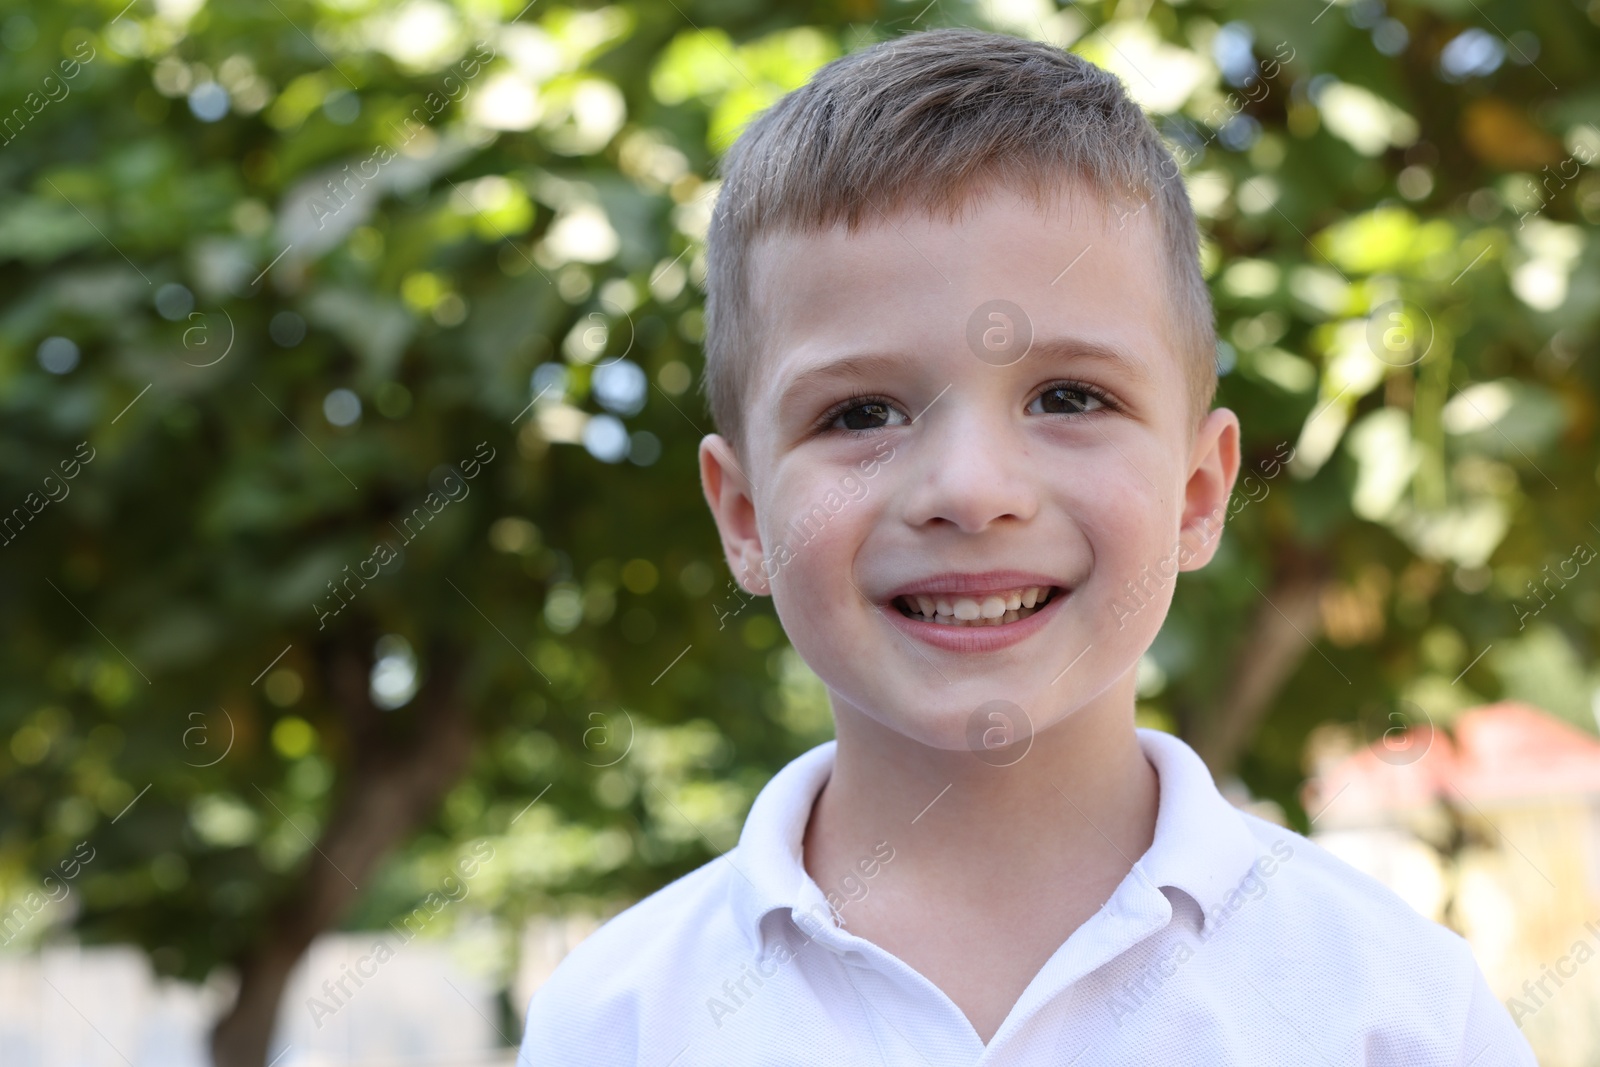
[957,467]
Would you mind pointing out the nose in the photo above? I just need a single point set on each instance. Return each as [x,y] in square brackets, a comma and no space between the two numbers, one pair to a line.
[970,469]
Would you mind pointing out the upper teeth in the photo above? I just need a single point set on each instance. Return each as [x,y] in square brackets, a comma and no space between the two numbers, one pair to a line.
[969,608]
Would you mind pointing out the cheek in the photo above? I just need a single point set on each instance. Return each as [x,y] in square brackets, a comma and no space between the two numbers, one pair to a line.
[813,535]
[1132,537]
[820,547]
[1137,530]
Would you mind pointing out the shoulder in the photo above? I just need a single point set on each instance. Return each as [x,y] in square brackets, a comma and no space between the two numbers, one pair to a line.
[648,962]
[1346,910]
[1412,985]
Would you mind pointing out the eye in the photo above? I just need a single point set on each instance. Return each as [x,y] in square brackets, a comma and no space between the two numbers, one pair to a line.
[862,413]
[1069,398]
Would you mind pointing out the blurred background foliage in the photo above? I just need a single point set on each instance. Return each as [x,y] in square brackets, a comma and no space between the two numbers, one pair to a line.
[276,271]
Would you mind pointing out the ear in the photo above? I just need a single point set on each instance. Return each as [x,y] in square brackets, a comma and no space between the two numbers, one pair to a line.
[1213,466]
[728,494]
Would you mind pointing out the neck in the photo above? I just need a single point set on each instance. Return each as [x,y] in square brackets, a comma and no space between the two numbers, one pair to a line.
[1071,816]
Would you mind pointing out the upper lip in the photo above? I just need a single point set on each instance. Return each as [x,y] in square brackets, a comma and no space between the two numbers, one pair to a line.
[967,583]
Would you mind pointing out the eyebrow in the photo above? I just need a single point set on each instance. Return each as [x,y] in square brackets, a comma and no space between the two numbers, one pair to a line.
[853,368]
[874,365]
[1070,349]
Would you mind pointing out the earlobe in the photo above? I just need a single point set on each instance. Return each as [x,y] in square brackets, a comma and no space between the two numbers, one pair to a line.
[755,582]
[729,496]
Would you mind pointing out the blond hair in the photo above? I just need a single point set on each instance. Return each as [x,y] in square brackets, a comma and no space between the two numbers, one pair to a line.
[925,122]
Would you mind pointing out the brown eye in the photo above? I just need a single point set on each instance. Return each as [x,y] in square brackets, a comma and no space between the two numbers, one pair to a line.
[867,415]
[1065,400]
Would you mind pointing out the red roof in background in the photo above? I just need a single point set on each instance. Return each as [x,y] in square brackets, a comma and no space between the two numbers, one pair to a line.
[1500,752]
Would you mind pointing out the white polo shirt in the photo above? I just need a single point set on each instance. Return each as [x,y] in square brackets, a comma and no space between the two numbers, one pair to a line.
[1231,942]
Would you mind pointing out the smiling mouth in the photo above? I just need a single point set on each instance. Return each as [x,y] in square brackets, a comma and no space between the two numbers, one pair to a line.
[996,609]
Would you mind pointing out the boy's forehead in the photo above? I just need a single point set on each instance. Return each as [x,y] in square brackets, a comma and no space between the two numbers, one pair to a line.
[1070,204]
[1078,265]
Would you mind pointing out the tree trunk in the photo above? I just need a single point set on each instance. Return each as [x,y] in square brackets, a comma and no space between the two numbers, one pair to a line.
[401,763]
[1286,621]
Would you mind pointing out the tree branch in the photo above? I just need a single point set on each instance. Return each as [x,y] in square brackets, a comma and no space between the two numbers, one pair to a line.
[1286,622]
[395,780]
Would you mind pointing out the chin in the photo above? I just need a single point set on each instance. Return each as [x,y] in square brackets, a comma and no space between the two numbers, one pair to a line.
[984,727]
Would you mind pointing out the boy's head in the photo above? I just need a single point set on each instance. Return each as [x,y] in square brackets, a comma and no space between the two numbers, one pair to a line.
[962,357]
[924,123]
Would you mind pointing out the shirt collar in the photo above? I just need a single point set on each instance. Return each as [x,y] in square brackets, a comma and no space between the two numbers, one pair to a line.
[1202,845]
[769,874]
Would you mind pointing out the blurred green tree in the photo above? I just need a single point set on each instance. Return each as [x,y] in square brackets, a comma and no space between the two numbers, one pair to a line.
[368,332]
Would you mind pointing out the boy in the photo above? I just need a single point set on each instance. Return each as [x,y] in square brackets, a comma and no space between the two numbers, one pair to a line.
[959,270]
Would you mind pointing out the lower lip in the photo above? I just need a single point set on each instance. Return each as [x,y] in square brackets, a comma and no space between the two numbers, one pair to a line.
[976,638]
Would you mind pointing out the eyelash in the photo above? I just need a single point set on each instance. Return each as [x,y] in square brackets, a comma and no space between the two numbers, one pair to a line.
[825,421]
